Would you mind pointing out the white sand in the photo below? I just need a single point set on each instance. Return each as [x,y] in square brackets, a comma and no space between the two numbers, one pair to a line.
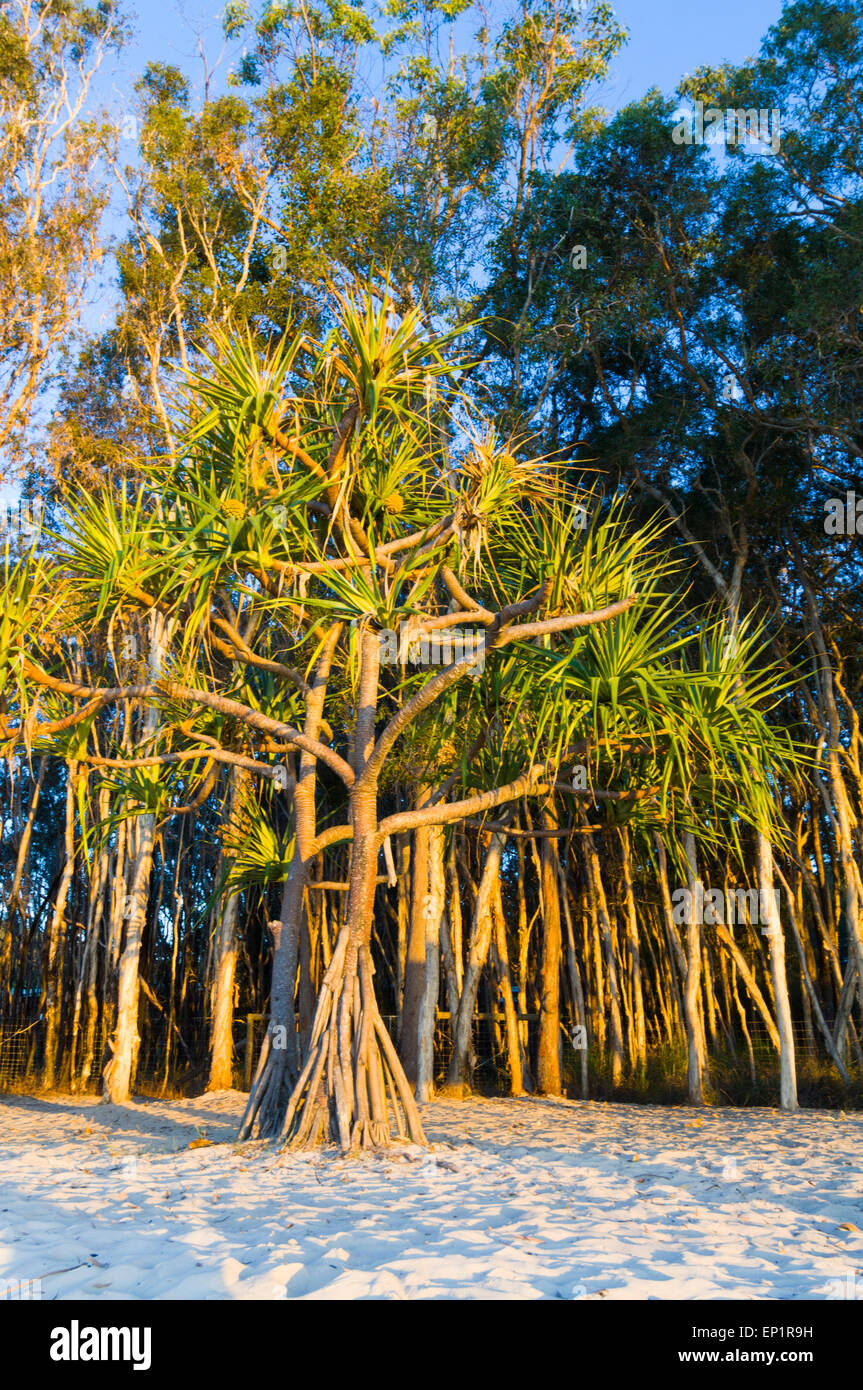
[519,1199]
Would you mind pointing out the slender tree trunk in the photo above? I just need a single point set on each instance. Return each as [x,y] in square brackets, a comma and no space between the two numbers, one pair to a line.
[523,952]
[793,911]
[578,1007]
[640,1040]
[548,1053]
[594,954]
[776,944]
[175,955]
[501,960]
[119,1073]
[694,1037]
[709,994]
[278,1064]
[224,969]
[450,936]
[56,937]
[416,946]
[482,925]
[225,948]
[85,991]
[403,909]
[843,1022]
[22,853]
[595,877]
[433,907]
[113,945]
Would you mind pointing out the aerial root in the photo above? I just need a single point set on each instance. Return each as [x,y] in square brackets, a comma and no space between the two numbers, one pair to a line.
[352,1088]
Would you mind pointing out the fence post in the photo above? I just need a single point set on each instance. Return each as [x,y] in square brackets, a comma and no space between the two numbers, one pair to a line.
[250,1033]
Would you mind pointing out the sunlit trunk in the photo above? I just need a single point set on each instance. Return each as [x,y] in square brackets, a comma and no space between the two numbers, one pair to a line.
[225,949]
[616,1026]
[119,1074]
[776,945]
[433,907]
[482,926]
[352,1086]
[548,1053]
[416,947]
[57,936]
[694,1036]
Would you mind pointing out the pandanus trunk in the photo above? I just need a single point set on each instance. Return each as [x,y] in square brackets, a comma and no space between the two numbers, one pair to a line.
[277,1067]
[500,959]
[576,989]
[548,1054]
[433,907]
[694,1035]
[481,929]
[450,936]
[119,1072]
[15,906]
[616,1030]
[13,903]
[415,947]
[776,945]
[795,917]
[352,1086]
[86,1006]
[225,953]
[56,937]
[639,1048]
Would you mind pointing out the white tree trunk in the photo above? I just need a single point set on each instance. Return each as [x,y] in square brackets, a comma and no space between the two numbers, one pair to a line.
[433,912]
[225,955]
[224,970]
[694,1035]
[772,929]
[56,931]
[125,1042]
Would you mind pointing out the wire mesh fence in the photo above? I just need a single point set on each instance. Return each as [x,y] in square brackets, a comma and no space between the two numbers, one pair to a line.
[178,1060]
[21,1056]
[804,1041]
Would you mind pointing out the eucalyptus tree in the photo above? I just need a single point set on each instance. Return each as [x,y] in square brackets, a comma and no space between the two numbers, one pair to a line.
[51,194]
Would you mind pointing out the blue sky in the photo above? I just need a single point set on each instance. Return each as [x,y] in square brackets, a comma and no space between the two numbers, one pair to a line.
[668,38]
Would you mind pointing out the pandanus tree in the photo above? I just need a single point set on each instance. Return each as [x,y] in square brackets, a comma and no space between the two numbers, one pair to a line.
[716,751]
[336,508]
[674,729]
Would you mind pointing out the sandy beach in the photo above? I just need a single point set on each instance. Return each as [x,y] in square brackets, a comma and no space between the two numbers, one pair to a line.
[518,1199]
